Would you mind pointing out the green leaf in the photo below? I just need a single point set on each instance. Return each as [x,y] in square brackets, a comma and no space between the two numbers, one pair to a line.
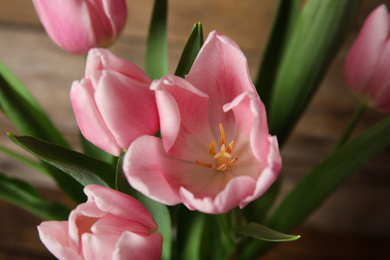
[286,14]
[21,108]
[316,36]
[190,51]
[258,231]
[25,196]
[84,169]
[159,211]
[23,159]
[324,179]
[156,63]
[194,225]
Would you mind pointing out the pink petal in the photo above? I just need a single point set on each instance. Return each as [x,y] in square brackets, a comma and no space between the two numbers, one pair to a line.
[184,124]
[120,205]
[111,224]
[235,191]
[144,165]
[102,59]
[367,49]
[251,123]
[116,12]
[134,246]
[133,112]
[380,78]
[99,246]
[89,119]
[74,35]
[221,71]
[269,174]
[54,235]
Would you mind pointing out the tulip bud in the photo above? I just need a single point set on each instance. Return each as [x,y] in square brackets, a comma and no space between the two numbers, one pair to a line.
[113,104]
[367,66]
[79,25]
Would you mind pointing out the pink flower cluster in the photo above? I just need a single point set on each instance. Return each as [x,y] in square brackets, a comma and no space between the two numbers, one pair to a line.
[215,152]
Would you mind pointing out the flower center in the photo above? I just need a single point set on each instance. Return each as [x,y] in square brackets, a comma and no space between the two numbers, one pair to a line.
[224,157]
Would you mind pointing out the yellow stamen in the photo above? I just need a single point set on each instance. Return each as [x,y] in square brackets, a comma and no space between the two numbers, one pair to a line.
[224,156]
[212,148]
[207,165]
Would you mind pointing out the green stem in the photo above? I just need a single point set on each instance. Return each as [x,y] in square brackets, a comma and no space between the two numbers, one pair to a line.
[223,223]
[351,126]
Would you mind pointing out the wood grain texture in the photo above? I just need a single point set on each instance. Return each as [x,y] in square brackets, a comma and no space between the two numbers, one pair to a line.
[352,224]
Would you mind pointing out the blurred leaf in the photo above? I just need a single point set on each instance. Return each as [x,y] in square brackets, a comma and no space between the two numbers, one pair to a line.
[25,113]
[23,159]
[25,196]
[86,170]
[190,51]
[159,211]
[191,231]
[156,63]
[317,34]
[324,179]
[285,17]
[264,233]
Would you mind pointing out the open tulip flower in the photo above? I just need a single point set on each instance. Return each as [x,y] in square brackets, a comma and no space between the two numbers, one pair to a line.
[113,104]
[215,152]
[79,25]
[110,225]
[368,62]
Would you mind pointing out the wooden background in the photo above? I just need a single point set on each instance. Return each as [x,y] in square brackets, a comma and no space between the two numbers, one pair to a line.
[352,224]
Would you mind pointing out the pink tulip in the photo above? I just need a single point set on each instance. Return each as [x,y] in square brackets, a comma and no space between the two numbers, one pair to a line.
[368,62]
[215,152]
[79,25]
[110,225]
[113,104]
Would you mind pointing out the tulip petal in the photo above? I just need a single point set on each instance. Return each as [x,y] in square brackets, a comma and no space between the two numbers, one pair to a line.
[367,49]
[269,174]
[144,165]
[119,204]
[236,190]
[54,235]
[102,59]
[221,71]
[98,246]
[76,35]
[127,107]
[184,123]
[89,119]
[380,79]
[134,246]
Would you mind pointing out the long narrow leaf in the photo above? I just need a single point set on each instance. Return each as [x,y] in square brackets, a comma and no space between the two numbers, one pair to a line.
[285,16]
[25,196]
[156,63]
[317,34]
[325,179]
[21,108]
[84,169]
[265,233]
[190,51]
[23,159]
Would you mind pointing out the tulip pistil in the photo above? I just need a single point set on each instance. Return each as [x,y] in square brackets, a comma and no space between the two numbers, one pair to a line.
[224,157]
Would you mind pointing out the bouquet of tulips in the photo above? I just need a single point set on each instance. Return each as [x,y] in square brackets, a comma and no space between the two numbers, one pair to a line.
[187,165]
